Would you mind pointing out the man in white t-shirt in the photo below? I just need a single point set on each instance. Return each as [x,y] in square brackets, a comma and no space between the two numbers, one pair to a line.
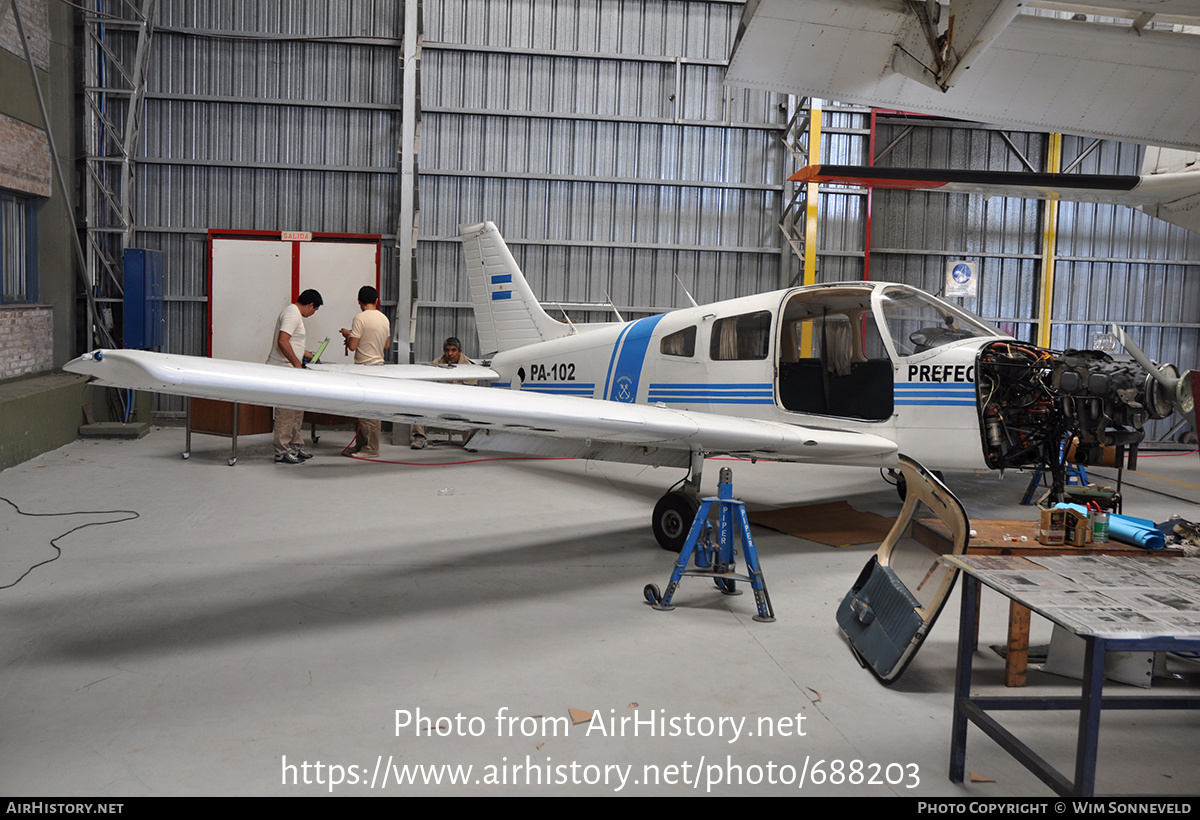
[287,350]
[369,336]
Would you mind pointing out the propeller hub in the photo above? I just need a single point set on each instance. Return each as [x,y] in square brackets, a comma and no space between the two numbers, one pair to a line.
[1184,398]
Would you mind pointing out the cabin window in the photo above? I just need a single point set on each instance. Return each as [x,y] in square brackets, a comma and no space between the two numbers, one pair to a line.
[918,322]
[742,337]
[680,343]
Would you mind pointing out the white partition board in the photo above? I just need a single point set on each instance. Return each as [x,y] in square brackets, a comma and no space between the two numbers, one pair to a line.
[337,270]
[252,281]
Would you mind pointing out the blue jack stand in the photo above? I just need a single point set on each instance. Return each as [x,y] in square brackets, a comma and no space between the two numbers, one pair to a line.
[717,560]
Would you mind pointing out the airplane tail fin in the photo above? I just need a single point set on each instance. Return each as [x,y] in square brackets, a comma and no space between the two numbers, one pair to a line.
[507,315]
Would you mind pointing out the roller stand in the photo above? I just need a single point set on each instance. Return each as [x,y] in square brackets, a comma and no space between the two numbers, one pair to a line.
[717,560]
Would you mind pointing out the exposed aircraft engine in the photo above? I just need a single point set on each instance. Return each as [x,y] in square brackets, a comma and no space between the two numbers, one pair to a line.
[1032,400]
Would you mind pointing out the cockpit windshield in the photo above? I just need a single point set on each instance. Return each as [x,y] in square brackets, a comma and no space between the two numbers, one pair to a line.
[918,322]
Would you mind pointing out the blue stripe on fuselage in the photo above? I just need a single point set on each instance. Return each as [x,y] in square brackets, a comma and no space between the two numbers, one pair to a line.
[613,360]
[939,394]
[625,373]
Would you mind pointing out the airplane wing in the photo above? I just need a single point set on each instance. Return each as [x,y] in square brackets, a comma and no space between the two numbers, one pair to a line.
[1173,197]
[414,372]
[982,61]
[526,414]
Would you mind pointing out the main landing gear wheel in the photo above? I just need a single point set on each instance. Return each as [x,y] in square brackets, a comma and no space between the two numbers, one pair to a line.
[673,517]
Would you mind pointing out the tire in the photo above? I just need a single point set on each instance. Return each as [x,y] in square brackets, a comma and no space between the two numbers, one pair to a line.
[673,517]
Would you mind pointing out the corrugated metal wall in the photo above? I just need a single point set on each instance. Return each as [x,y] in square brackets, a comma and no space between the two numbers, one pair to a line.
[598,136]
[278,116]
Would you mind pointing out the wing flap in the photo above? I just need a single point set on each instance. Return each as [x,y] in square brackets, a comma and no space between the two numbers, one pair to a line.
[415,372]
[462,406]
[508,442]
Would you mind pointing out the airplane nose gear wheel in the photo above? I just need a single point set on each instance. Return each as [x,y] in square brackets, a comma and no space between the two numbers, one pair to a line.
[673,517]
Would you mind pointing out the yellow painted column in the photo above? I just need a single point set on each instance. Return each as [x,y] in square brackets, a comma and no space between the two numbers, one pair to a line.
[1049,244]
[810,218]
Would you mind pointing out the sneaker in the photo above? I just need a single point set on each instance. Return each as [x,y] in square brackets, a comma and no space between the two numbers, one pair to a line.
[418,443]
[288,458]
[303,455]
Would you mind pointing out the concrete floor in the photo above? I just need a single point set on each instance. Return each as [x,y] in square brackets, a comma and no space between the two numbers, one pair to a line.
[257,618]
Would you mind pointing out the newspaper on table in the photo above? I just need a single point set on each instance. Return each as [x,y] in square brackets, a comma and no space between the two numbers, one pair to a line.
[1105,596]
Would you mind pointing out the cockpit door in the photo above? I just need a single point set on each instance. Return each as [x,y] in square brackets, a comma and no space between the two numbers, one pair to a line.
[897,597]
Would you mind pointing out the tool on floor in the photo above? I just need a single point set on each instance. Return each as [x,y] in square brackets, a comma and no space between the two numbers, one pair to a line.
[717,560]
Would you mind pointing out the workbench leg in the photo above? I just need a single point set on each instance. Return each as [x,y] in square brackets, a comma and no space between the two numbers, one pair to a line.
[1016,659]
[1089,718]
[962,678]
[975,640]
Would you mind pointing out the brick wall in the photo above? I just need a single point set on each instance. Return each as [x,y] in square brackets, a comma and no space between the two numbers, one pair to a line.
[24,157]
[37,25]
[26,340]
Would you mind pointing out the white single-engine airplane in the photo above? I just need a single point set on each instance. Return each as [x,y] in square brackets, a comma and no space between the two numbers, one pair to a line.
[848,373]
[851,373]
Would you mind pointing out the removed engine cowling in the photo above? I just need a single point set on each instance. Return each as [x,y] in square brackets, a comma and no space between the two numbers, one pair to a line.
[1032,400]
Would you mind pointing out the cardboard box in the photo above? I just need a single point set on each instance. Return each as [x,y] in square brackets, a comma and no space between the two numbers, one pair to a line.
[1053,530]
[1079,528]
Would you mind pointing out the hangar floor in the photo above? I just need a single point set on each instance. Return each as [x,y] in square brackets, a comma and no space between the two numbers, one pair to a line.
[258,618]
